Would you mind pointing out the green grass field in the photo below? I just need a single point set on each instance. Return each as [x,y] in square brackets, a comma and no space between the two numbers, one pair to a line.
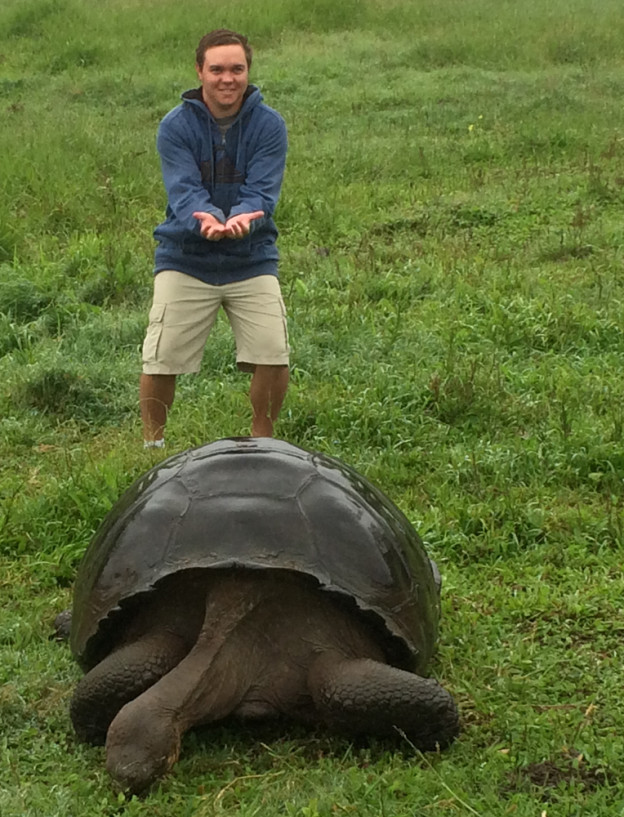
[451,238]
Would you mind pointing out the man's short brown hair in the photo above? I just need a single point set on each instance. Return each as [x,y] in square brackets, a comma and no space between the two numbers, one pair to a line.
[222,36]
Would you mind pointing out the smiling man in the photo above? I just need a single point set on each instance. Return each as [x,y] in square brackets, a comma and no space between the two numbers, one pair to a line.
[224,78]
[223,153]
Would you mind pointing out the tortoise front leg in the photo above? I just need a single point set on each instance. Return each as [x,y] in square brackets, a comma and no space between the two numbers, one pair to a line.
[119,678]
[151,643]
[362,696]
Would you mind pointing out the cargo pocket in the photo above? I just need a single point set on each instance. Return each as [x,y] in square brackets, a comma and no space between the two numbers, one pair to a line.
[154,333]
[285,325]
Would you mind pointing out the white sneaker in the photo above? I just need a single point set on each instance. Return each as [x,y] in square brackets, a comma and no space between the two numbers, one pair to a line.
[153,443]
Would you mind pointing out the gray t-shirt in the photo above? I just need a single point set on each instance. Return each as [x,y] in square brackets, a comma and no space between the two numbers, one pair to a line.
[224,124]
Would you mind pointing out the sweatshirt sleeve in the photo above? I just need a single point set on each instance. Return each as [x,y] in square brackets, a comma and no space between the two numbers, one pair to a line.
[264,172]
[182,174]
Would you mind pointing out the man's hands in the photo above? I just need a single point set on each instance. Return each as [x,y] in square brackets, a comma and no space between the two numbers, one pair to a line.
[235,227]
[238,226]
[210,227]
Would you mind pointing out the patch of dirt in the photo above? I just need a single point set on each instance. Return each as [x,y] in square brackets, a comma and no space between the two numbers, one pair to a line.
[551,774]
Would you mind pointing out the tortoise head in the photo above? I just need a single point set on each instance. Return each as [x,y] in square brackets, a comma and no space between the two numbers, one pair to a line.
[141,747]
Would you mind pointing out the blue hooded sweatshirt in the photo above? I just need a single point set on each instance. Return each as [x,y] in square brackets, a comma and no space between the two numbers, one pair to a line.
[225,176]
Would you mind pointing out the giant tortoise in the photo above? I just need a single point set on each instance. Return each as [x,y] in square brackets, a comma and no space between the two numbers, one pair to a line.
[249,578]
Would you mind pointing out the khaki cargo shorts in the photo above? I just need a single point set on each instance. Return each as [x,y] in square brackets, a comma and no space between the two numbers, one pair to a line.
[184,311]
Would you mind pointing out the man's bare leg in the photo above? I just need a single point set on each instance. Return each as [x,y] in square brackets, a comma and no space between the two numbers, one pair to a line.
[156,393]
[267,392]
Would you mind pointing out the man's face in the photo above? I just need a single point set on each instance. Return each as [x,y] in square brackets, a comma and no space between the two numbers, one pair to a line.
[224,77]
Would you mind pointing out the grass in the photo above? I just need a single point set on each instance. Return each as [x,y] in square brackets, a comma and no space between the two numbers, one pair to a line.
[452,265]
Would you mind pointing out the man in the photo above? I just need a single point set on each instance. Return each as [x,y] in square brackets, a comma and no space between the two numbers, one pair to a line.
[223,153]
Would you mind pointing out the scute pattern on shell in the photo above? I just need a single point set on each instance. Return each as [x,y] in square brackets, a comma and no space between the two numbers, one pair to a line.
[265,504]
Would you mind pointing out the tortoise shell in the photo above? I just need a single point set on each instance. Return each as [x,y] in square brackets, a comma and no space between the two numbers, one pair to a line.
[264,504]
